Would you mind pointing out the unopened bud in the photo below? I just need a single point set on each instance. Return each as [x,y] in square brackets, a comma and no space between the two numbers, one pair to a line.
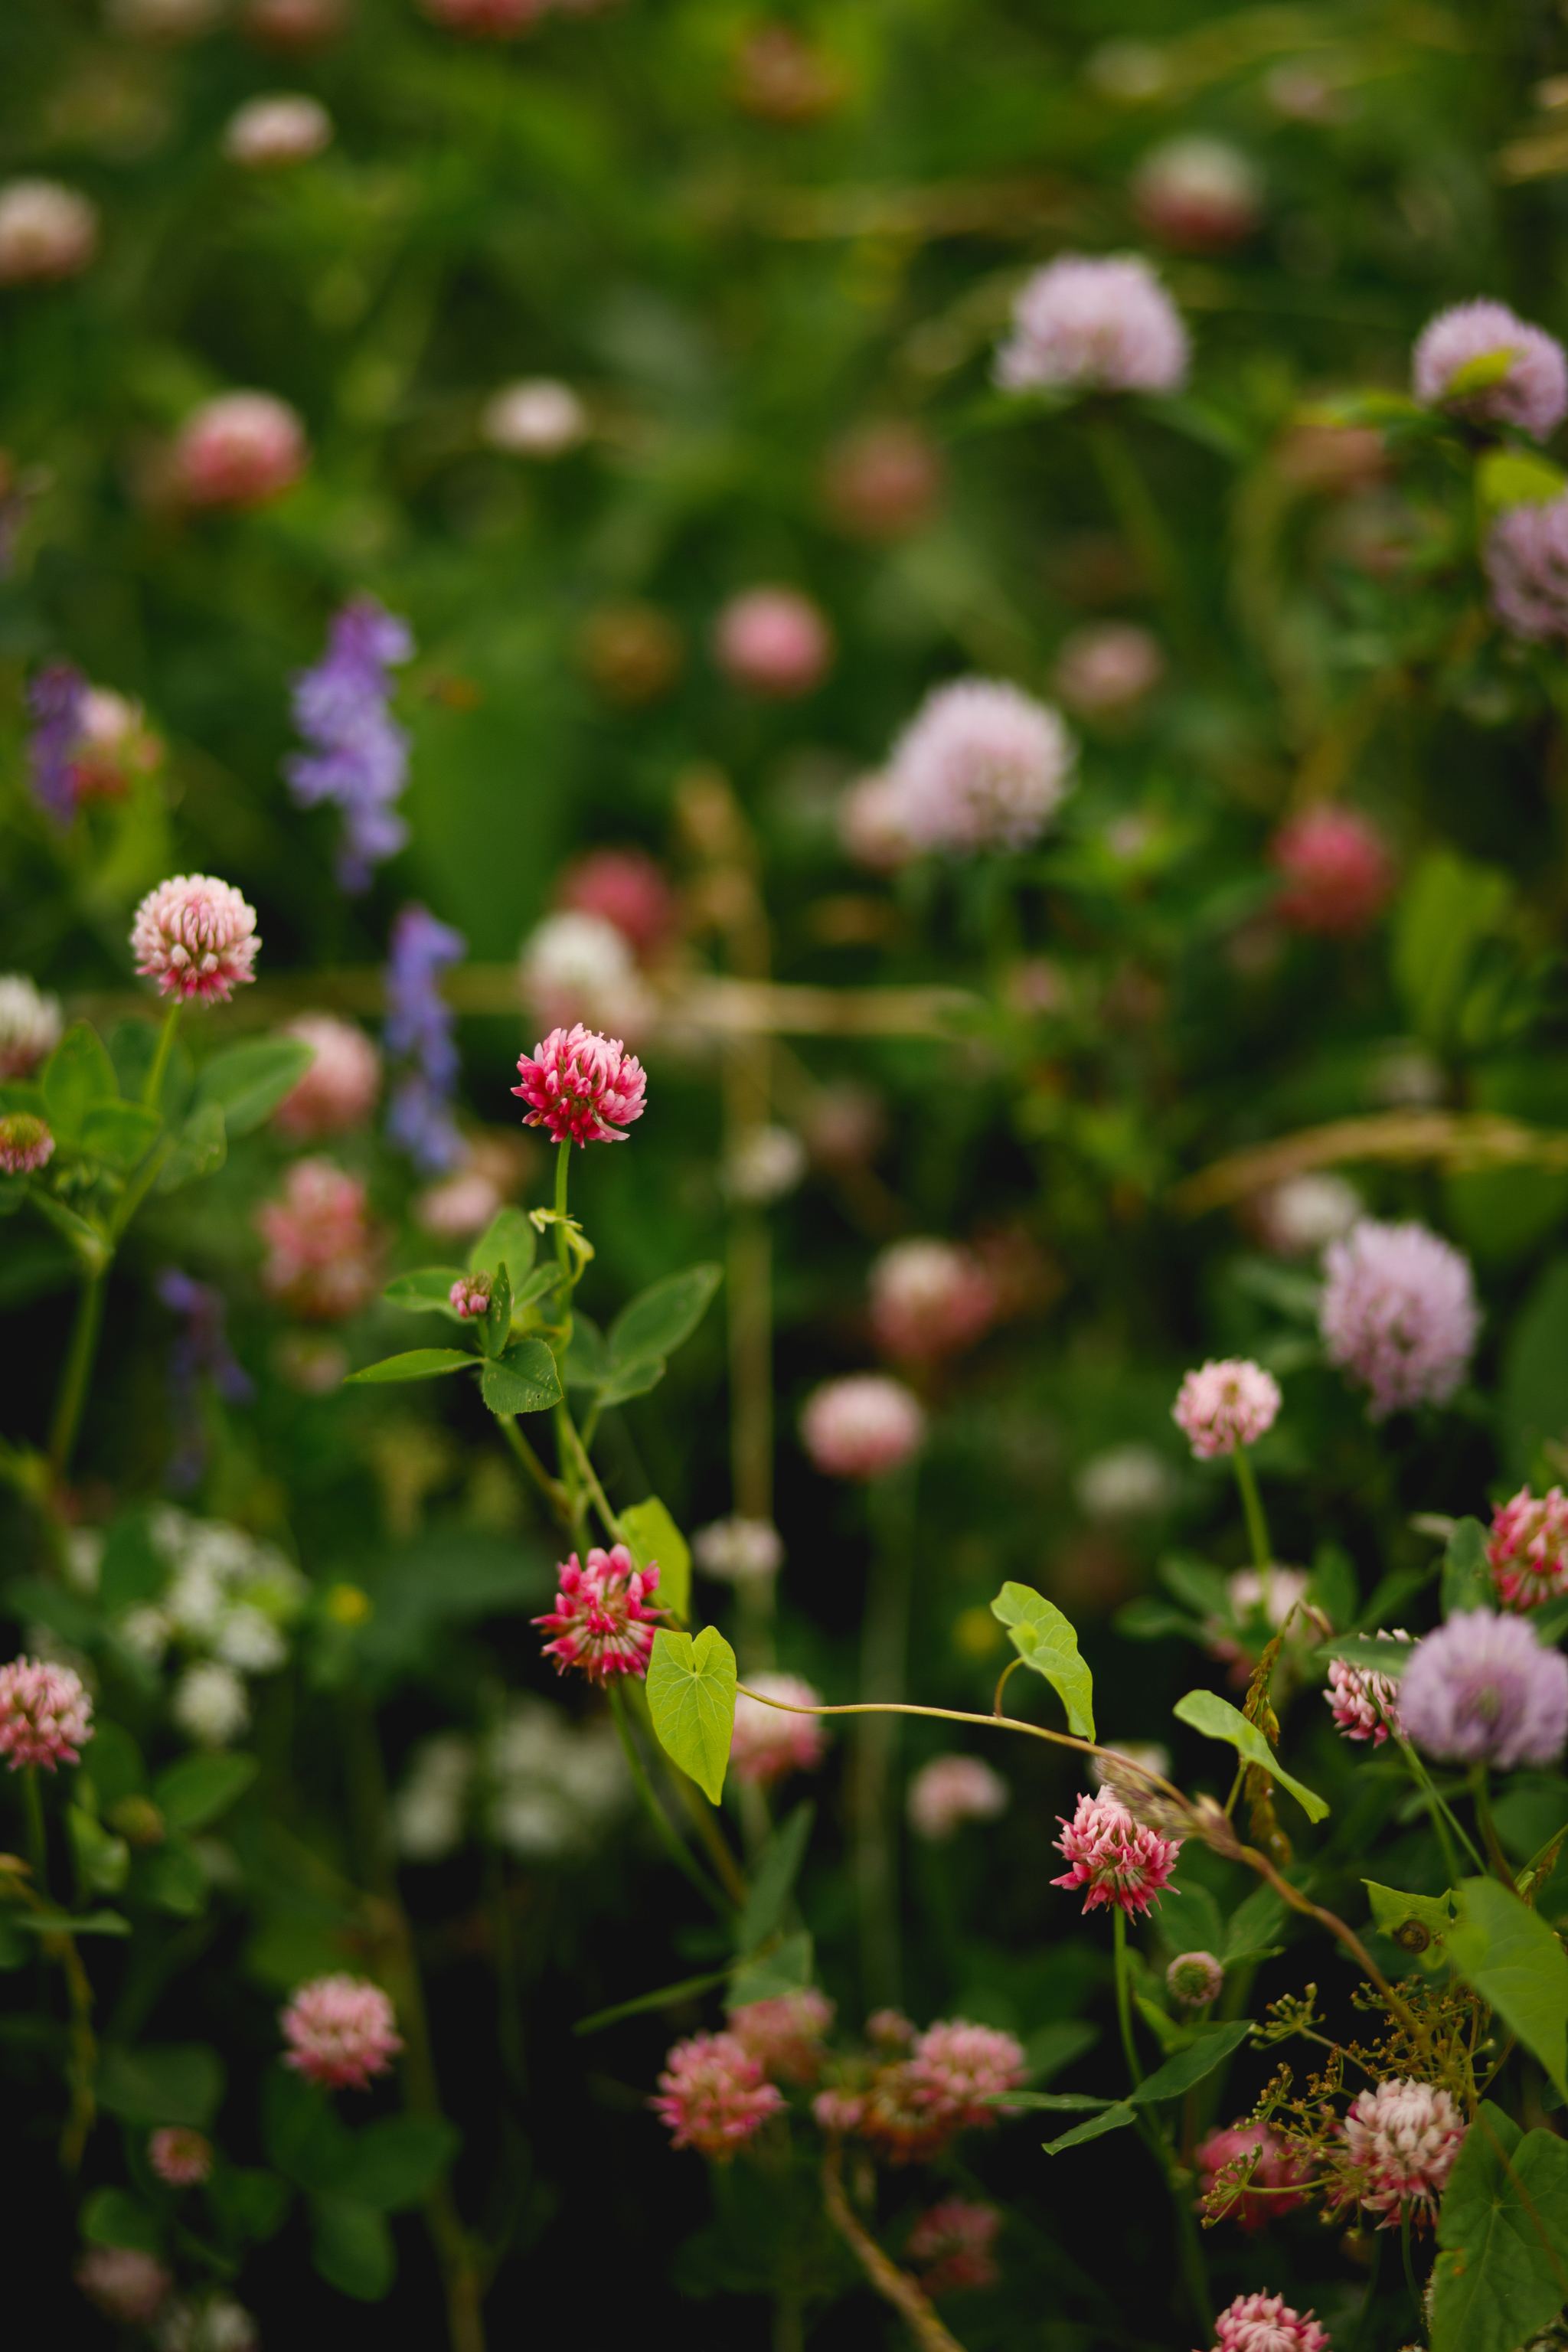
[1194,1978]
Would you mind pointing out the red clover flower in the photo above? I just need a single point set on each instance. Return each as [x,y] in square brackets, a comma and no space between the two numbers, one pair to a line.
[340,2031]
[582,1086]
[45,1715]
[1120,1859]
[600,1619]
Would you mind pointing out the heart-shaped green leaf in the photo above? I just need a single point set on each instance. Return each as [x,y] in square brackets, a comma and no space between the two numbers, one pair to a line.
[1217,1719]
[1515,1962]
[691,1698]
[1046,1641]
[524,1379]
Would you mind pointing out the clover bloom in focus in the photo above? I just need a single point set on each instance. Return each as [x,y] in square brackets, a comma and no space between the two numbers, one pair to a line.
[1093,324]
[712,2095]
[784,2035]
[470,1296]
[1400,2140]
[196,937]
[340,2031]
[1276,2169]
[600,1621]
[1530,390]
[1225,1404]
[26,1143]
[1267,2323]
[582,1086]
[766,1744]
[1482,1690]
[1365,1702]
[862,1426]
[1336,872]
[1398,1314]
[1120,1859]
[1527,1548]
[181,2158]
[1194,1978]
[45,1715]
[950,2246]
[951,1790]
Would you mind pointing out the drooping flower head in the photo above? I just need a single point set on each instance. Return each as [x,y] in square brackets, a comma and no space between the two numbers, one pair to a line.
[126,2284]
[30,1025]
[238,450]
[1085,324]
[944,2085]
[340,2031]
[358,758]
[45,1715]
[861,1427]
[26,1143]
[1253,2152]
[1400,2140]
[601,1621]
[950,2246]
[1336,869]
[951,1789]
[928,1299]
[469,1295]
[324,1253]
[1474,338]
[47,231]
[766,1744]
[339,1090]
[1199,195]
[1365,1704]
[981,765]
[1225,1404]
[1118,1858]
[774,641]
[419,1036]
[1194,1978]
[1481,1690]
[1526,558]
[582,1088]
[1527,1549]
[268,134]
[196,937]
[1267,2323]
[784,2035]
[712,2095]
[1398,1314]
[181,2157]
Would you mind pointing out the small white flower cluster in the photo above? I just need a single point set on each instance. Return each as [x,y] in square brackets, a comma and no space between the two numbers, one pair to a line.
[539,1785]
[224,1615]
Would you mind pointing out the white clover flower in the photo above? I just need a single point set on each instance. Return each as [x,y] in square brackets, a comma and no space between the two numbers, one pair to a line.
[249,1642]
[210,1704]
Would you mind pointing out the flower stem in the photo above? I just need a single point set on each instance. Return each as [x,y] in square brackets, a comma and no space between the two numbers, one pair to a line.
[1256,1525]
[77,1372]
[883,1643]
[1362,2336]
[553,1492]
[1484,1823]
[589,1474]
[1443,1819]
[673,1844]
[894,2285]
[1409,2265]
[1124,1993]
[154,1086]
[38,1840]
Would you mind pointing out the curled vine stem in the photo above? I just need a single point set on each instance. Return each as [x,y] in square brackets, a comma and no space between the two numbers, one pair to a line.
[895,2286]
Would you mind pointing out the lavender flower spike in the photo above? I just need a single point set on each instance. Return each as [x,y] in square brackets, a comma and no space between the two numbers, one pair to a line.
[201,1351]
[358,754]
[1481,1690]
[418,1032]
[57,700]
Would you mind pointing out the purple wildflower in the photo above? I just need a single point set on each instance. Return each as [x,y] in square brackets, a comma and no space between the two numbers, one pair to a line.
[1481,1690]
[360,754]
[1526,558]
[1398,1314]
[201,1351]
[56,700]
[418,1032]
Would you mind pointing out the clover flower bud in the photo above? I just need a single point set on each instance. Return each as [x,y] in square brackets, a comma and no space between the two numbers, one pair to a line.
[766,1743]
[47,231]
[267,134]
[774,643]
[1365,1702]
[238,450]
[1532,389]
[181,2157]
[469,1295]
[1482,1690]
[712,2095]
[1116,1857]
[1085,324]
[26,1143]
[340,2031]
[196,937]
[951,1789]
[862,1426]
[1527,1548]
[46,1714]
[1398,1314]
[581,1086]
[1194,1978]
[1225,1404]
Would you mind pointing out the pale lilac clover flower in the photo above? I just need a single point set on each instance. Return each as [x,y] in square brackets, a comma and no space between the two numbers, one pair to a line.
[1481,1690]
[1532,394]
[358,754]
[1398,1314]
[1225,1404]
[1526,559]
[1085,324]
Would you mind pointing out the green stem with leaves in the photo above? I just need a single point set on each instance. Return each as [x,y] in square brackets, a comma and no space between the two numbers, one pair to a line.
[665,1831]
[154,1086]
[77,1372]
[1443,1818]
[1256,1525]
[1124,1993]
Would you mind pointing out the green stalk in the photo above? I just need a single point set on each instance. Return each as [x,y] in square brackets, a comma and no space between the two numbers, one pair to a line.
[1443,1817]
[1124,1993]
[1256,1525]
[883,1645]
[672,1842]
[153,1087]
[563,1255]
[1139,517]
[38,1837]
[553,1492]
[1409,2265]
[1500,1860]
[76,1373]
